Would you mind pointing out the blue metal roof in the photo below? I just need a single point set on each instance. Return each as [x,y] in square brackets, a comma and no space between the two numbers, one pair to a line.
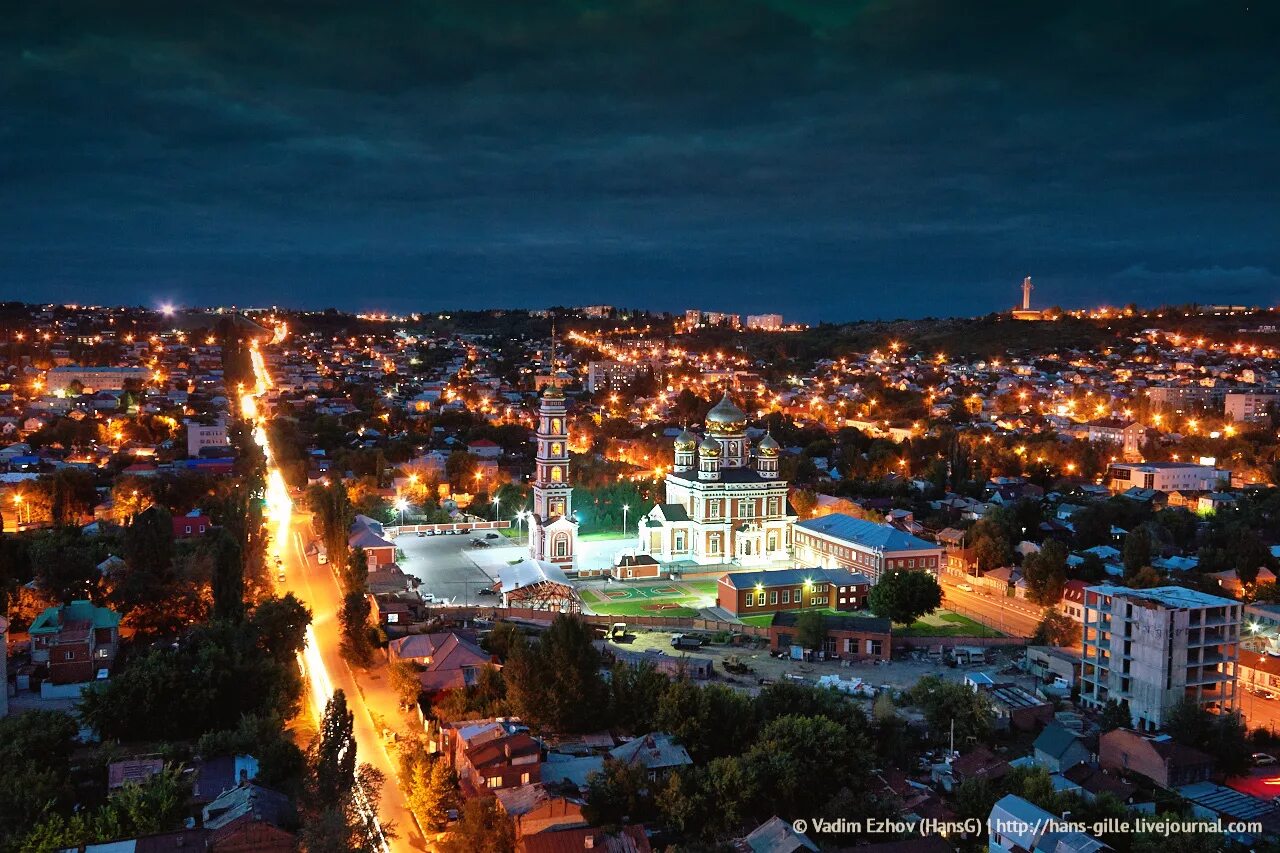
[882,537]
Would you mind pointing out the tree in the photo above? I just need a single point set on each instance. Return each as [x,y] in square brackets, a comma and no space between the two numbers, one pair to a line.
[618,794]
[792,751]
[1144,578]
[280,625]
[148,542]
[556,685]
[803,501]
[332,508]
[811,629]
[440,795]
[430,786]
[903,597]
[356,646]
[35,752]
[228,577]
[944,702]
[1046,573]
[217,674]
[1055,629]
[333,755]
[483,828]
[1115,715]
[635,693]
[1137,550]
[404,679]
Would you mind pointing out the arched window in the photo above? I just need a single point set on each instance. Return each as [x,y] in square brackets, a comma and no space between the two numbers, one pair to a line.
[555,425]
[556,475]
[561,545]
[556,448]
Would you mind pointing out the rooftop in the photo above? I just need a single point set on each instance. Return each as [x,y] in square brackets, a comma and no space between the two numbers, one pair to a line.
[879,536]
[1168,596]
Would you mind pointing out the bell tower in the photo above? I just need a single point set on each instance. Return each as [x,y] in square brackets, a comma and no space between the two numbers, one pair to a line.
[553,532]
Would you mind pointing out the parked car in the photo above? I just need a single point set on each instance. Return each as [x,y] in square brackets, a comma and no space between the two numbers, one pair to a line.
[485,590]
[964,586]
[493,536]
[421,533]
[1262,759]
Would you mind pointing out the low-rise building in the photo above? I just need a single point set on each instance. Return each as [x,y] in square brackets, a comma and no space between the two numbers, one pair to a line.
[1166,477]
[492,754]
[1158,758]
[842,541]
[367,534]
[76,640]
[778,590]
[848,637]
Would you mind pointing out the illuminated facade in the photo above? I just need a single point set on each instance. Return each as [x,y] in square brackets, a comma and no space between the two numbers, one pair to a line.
[553,532]
[724,501]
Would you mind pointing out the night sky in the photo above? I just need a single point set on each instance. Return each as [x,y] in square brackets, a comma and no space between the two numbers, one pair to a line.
[828,160]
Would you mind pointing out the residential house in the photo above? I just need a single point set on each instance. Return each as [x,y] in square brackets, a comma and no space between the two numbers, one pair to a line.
[775,835]
[193,524]
[492,754]
[533,809]
[447,660]
[629,839]
[657,752]
[1158,758]
[76,640]
[251,819]
[367,533]
[1018,826]
[1058,748]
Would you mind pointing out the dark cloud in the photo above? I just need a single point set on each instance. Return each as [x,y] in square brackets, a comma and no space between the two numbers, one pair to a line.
[881,158]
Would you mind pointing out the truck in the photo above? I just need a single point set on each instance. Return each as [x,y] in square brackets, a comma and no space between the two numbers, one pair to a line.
[686,641]
[618,632]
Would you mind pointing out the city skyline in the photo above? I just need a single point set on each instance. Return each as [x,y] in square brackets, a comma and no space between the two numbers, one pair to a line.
[883,160]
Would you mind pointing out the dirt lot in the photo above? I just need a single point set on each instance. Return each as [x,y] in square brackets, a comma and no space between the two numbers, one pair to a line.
[898,674]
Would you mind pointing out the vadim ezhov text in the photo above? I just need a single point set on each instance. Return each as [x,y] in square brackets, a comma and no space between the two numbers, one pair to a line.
[1006,826]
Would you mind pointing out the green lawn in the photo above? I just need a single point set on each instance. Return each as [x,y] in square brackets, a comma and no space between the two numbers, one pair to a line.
[944,624]
[604,536]
[762,621]
[639,608]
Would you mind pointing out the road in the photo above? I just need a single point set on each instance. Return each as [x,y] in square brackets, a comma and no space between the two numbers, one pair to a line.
[1007,615]
[372,703]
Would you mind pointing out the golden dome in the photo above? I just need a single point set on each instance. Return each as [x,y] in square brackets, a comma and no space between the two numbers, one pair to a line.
[767,446]
[686,441]
[710,447]
[725,416]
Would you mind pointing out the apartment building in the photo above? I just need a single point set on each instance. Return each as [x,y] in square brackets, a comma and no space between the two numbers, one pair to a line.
[1154,647]
[610,375]
[1250,407]
[764,322]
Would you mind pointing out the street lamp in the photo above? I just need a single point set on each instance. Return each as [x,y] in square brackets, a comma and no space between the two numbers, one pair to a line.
[625,510]
[401,505]
[496,501]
